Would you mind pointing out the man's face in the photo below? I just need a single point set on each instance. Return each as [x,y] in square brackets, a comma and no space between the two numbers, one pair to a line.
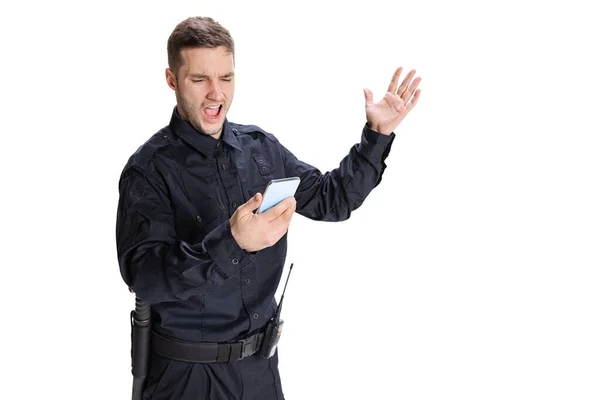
[204,88]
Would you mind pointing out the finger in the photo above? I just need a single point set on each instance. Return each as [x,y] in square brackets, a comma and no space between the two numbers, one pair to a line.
[251,204]
[288,213]
[414,100]
[368,96]
[399,104]
[394,82]
[276,232]
[411,90]
[275,211]
[405,82]
[283,220]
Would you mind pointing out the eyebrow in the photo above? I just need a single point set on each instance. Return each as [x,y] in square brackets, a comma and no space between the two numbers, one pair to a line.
[204,76]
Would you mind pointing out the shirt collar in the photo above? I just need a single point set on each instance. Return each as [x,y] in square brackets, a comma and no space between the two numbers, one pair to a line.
[203,143]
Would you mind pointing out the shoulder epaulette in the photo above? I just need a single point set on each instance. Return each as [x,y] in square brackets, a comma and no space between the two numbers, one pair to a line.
[240,129]
[144,154]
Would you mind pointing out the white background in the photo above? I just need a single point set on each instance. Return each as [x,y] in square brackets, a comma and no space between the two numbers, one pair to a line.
[471,272]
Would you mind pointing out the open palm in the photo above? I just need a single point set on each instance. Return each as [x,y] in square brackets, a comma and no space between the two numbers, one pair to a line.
[385,115]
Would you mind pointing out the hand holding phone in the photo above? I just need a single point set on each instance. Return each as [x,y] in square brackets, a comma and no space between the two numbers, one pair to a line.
[255,231]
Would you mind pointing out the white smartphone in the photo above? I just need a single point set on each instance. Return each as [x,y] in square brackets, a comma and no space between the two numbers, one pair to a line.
[277,190]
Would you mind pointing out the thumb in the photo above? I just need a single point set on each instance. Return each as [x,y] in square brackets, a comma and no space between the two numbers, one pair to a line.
[251,204]
[368,96]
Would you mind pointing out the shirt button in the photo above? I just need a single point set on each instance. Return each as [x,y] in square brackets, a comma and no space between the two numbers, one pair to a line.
[223,166]
[234,205]
[264,168]
[247,281]
[234,130]
[198,219]
[260,161]
[234,261]
[255,316]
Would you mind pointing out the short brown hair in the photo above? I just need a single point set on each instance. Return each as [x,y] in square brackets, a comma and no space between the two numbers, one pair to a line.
[196,32]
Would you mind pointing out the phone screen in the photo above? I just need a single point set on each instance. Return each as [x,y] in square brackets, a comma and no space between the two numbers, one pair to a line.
[277,190]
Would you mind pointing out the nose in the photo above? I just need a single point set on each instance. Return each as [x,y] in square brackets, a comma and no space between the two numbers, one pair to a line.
[215,92]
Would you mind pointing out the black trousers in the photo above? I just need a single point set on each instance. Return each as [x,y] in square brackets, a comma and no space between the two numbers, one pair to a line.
[252,378]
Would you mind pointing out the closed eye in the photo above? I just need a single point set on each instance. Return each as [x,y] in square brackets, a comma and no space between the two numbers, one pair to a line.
[198,77]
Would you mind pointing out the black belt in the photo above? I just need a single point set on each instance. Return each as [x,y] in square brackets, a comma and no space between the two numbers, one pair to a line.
[204,352]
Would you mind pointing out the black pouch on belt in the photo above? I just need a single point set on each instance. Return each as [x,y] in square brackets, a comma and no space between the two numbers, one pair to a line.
[272,334]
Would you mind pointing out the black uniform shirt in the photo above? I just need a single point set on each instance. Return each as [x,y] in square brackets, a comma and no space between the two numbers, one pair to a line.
[174,243]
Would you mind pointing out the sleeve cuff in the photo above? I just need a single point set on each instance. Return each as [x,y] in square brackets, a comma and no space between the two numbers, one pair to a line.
[225,252]
[375,145]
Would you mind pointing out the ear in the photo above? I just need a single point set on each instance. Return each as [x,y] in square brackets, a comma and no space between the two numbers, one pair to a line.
[171,80]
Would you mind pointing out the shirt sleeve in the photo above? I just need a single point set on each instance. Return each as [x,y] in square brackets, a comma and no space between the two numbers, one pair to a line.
[157,265]
[333,195]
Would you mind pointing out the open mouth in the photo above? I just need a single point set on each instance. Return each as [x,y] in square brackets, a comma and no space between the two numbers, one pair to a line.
[213,112]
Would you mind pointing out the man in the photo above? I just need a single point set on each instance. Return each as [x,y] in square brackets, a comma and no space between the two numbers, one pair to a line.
[189,242]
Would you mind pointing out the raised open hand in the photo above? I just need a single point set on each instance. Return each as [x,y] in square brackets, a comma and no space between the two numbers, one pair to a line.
[386,115]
